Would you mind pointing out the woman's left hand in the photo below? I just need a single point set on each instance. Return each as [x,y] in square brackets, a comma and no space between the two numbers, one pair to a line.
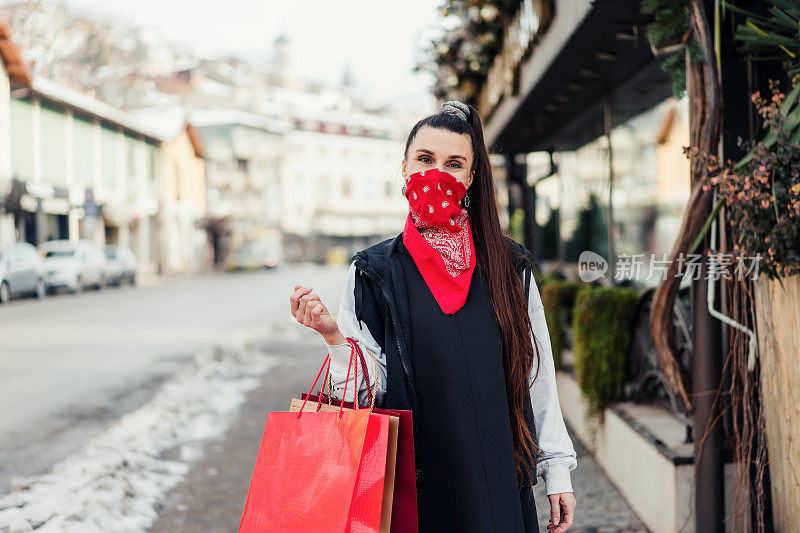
[562,512]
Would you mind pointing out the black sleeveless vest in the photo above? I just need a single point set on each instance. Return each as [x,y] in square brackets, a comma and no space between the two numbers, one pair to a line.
[381,302]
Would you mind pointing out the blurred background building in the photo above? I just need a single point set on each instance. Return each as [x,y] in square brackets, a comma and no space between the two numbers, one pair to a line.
[140,142]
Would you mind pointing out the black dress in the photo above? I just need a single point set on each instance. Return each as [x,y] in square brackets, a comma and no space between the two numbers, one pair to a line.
[465,450]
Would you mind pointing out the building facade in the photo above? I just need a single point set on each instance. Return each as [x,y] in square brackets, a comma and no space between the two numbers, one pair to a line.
[183,243]
[83,170]
[341,185]
[651,179]
[73,167]
[244,160]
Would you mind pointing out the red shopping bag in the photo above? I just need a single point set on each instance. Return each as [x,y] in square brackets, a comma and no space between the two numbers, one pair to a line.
[371,505]
[366,507]
[404,494]
[305,472]
[404,504]
[318,472]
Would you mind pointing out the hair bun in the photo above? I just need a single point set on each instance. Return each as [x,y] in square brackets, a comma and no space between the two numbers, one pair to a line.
[454,107]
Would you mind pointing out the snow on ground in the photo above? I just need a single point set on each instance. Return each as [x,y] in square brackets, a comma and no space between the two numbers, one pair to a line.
[114,483]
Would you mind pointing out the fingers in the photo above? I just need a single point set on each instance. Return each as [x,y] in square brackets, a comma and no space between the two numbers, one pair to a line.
[562,512]
[308,317]
[555,509]
[303,308]
[569,514]
[300,299]
[306,305]
[294,299]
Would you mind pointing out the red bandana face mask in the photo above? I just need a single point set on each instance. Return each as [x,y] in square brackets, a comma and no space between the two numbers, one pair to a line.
[438,236]
[434,197]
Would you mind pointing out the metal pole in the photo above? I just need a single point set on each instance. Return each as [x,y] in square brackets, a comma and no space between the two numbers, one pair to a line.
[528,200]
[562,248]
[610,222]
[709,493]
[530,217]
[709,487]
[509,158]
[41,222]
[517,172]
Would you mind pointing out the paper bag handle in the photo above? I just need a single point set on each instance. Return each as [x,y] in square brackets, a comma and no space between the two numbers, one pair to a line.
[354,348]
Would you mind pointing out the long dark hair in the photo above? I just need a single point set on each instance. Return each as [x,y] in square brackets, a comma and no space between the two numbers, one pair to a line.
[495,260]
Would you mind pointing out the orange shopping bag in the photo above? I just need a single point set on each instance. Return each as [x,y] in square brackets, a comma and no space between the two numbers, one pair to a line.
[318,472]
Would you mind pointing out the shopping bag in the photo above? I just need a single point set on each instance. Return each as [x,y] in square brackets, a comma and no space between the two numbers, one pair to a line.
[402,497]
[305,473]
[366,509]
[389,479]
[312,474]
[371,506]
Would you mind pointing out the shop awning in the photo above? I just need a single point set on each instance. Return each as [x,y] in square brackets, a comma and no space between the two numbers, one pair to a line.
[591,51]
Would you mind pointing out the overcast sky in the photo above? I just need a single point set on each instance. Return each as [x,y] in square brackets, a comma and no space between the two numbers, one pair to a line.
[379,39]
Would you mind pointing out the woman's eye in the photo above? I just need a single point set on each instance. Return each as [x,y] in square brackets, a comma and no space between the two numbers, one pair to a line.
[424,159]
[455,165]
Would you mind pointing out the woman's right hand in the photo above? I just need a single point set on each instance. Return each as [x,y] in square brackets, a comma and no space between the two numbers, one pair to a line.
[309,310]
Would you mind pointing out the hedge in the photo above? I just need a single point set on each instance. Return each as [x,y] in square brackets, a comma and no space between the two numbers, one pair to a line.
[558,297]
[601,321]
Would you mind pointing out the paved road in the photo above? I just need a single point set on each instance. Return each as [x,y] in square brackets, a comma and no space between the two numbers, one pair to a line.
[71,364]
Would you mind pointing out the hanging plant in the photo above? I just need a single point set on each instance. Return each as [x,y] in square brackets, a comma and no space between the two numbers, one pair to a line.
[761,192]
[461,57]
[671,37]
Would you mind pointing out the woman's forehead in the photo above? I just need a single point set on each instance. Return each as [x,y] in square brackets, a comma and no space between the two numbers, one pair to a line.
[441,140]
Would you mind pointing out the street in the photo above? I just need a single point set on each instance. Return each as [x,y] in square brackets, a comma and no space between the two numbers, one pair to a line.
[72,364]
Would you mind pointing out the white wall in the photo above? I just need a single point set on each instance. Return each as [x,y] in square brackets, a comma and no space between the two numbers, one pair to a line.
[7,233]
[316,167]
[659,491]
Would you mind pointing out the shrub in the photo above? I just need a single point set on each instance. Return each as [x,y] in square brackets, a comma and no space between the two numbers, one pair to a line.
[601,321]
[558,297]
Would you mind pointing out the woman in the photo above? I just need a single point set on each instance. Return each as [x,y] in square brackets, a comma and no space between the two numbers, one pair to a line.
[449,310]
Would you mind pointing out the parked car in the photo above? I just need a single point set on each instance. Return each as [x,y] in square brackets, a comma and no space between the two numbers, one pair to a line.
[120,266]
[21,272]
[255,255]
[73,265]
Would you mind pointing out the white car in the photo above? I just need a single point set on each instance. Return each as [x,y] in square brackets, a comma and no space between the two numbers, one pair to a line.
[121,265]
[21,272]
[74,266]
[255,255]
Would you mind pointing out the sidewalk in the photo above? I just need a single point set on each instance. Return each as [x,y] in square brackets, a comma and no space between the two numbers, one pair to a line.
[601,508]
[212,495]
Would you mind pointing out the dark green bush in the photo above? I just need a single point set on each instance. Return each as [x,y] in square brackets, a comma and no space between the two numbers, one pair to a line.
[558,297]
[601,321]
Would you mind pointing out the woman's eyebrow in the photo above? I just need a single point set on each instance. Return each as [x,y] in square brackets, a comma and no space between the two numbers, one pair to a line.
[430,152]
